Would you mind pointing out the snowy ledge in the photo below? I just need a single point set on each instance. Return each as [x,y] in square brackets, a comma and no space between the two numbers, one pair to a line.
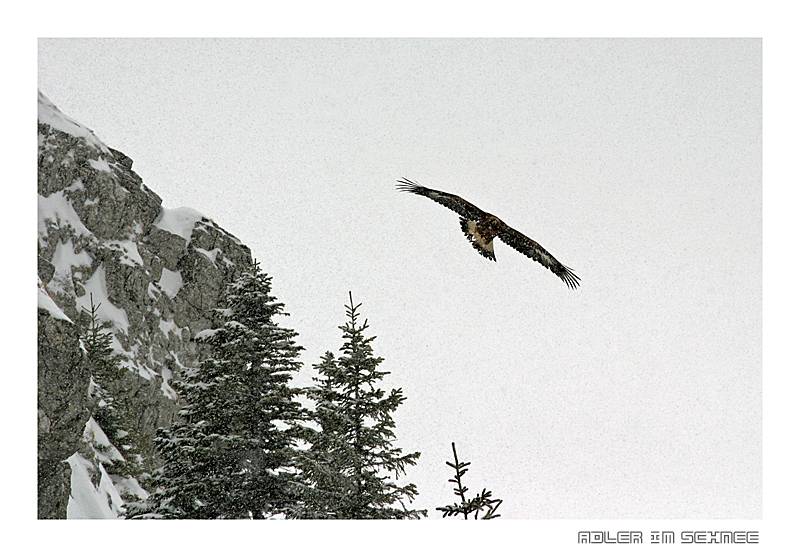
[180,222]
[49,114]
[47,303]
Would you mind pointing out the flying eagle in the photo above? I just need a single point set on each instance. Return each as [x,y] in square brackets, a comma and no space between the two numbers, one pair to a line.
[481,228]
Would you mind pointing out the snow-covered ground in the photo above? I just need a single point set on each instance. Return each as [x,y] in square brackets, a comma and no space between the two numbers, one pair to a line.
[94,493]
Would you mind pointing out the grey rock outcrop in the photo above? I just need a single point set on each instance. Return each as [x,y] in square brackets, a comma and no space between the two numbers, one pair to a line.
[63,383]
[156,274]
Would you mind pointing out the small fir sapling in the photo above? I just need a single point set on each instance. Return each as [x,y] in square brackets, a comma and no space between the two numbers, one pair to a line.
[482,503]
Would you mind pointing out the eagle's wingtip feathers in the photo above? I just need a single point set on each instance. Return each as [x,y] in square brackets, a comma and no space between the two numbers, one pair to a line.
[570,278]
[404,184]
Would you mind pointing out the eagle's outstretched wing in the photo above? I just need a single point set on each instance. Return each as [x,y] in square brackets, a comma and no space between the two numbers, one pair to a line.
[452,202]
[532,249]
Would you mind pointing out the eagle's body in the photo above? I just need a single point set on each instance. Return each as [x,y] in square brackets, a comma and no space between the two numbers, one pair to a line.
[481,228]
[482,233]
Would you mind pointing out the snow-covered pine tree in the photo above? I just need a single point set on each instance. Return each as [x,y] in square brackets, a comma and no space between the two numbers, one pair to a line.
[111,409]
[103,364]
[234,452]
[351,457]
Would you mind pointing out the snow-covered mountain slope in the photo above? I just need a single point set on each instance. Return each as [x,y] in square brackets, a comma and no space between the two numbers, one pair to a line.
[154,274]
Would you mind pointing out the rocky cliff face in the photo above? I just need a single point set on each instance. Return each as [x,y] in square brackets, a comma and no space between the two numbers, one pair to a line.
[154,274]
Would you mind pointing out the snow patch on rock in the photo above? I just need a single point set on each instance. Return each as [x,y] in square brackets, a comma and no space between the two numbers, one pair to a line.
[47,303]
[180,222]
[51,115]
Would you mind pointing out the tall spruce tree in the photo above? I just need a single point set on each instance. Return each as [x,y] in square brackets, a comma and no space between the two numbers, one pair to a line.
[351,458]
[234,452]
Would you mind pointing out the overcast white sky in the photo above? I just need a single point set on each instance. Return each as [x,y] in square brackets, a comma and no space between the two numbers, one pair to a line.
[635,162]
